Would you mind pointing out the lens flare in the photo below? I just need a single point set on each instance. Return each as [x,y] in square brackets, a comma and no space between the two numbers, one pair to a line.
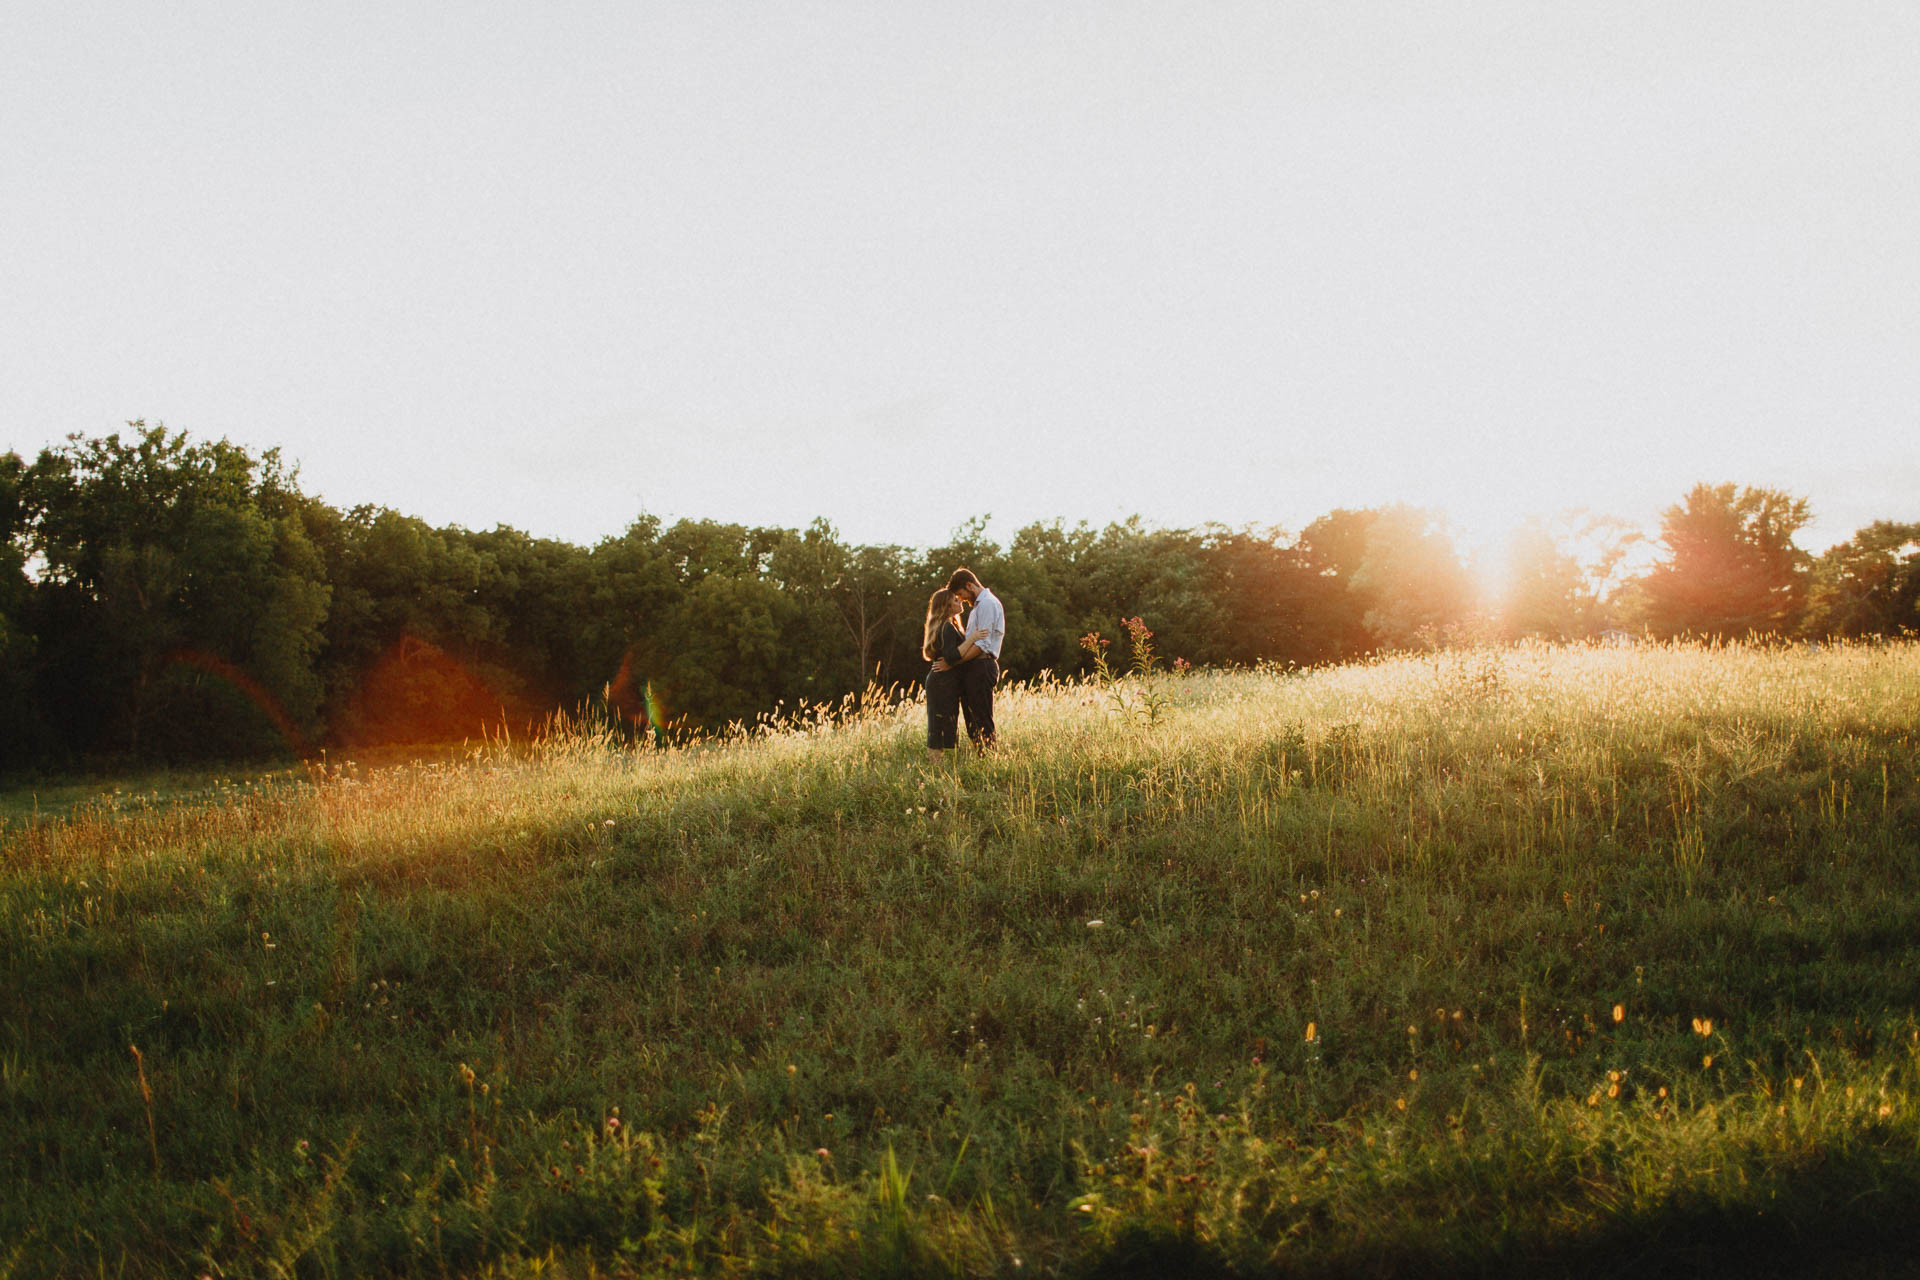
[416,693]
[633,698]
[656,710]
[248,687]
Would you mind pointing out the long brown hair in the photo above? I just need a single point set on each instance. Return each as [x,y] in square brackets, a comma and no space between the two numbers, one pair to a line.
[939,607]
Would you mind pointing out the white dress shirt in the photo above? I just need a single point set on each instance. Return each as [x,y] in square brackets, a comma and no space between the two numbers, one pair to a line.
[988,613]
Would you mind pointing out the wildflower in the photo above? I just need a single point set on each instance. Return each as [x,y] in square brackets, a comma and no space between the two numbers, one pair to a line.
[823,1153]
[1414,1074]
[1313,1033]
[1096,924]
[1707,1061]
[1703,1026]
[1399,1104]
[1619,1013]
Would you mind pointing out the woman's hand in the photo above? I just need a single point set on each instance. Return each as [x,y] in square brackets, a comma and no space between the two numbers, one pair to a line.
[976,636]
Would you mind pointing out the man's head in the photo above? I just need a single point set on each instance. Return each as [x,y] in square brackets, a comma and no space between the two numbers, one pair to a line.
[965,584]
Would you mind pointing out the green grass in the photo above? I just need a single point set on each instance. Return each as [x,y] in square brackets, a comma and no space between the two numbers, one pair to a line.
[1525,962]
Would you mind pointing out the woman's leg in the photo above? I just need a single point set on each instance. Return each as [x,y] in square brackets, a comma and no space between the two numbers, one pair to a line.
[943,710]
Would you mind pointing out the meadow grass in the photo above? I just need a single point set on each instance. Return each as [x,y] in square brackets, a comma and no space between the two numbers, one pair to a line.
[1569,961]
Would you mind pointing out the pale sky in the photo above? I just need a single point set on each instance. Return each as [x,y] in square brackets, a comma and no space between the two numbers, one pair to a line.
[897,264]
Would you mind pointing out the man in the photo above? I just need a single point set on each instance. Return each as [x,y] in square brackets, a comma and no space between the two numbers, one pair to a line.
[978,676]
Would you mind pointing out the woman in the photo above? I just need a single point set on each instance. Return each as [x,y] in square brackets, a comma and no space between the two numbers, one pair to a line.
[942,643]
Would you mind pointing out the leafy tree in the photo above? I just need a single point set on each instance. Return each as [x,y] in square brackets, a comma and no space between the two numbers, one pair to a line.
[1335,604]
[1045,579]
[1730,567]
[727,658]
[21,738]
[1165,577]
[412,633]
[182,590]
[1543,594]
[855,596]
[633,589]
[1559,575]
[1270,596]
[1868,585]
[1414,584]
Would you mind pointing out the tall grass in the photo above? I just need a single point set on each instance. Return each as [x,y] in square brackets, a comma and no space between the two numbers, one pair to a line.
[1477,961]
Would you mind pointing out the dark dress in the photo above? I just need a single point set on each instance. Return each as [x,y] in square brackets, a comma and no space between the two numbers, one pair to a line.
[943,692]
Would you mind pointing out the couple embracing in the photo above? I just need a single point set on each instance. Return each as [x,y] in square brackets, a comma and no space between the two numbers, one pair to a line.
[966,661]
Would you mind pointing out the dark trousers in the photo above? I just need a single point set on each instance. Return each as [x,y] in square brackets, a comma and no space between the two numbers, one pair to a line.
[943,708]
[977,679]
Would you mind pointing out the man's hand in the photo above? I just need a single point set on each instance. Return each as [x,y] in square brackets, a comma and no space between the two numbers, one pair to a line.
[940,664]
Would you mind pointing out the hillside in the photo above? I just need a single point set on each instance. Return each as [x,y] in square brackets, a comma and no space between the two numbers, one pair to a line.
[1495,961]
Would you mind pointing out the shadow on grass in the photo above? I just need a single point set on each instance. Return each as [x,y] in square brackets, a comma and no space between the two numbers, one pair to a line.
[1820,1222]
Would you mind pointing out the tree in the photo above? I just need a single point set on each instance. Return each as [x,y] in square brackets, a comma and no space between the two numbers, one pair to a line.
[1868,585]
[863,589]
[1270,595]
[1334,607]
[1163,576]
[728,660]
[415,641]
[181,592]
[632,590]
[1730,568]
[1563,574]
[21,738]
[1414,583]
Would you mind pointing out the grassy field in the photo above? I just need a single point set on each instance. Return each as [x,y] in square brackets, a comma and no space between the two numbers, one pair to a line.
[1585,962]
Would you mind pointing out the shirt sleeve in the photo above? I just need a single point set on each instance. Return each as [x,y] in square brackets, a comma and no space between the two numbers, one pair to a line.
[995,624]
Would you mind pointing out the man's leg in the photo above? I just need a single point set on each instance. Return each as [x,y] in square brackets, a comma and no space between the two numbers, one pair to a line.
[982,673]
[963,691]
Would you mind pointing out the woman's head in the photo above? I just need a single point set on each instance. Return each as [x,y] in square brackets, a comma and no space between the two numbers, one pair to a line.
[939,609]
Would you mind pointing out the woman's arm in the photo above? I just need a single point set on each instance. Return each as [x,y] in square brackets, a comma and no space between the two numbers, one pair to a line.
[954,651]
[951,649]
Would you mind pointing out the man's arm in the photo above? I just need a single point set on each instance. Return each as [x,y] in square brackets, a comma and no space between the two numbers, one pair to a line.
[968,651]
[993,626]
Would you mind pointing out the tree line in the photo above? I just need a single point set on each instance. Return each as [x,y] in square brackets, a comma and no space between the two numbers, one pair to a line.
[168,599]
